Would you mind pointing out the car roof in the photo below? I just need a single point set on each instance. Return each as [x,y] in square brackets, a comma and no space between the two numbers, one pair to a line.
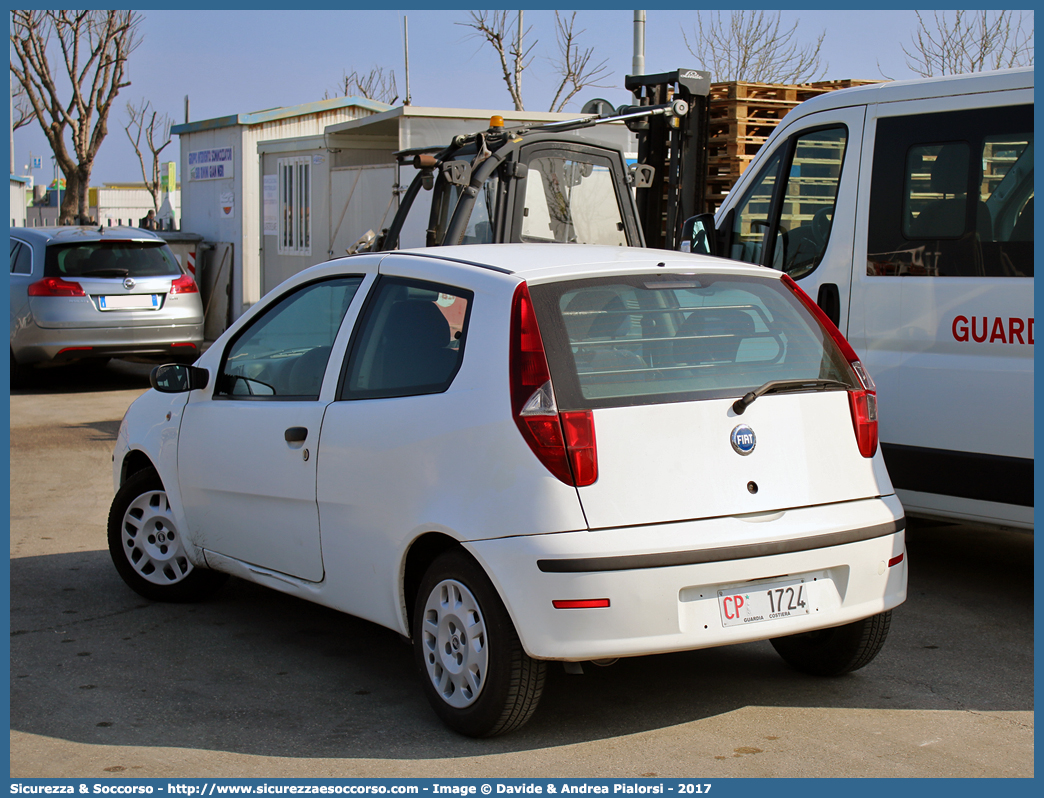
[72,234]
[553,262]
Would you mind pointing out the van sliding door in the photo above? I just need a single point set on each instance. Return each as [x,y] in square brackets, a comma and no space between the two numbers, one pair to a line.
[942,314]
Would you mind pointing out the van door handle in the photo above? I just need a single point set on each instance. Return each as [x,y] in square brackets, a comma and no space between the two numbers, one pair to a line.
[295,434]
[829,300]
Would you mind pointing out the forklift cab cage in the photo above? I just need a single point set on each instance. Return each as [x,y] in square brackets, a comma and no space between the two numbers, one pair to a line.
[540,182]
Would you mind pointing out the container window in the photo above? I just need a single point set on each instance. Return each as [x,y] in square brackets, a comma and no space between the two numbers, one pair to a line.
[295,205]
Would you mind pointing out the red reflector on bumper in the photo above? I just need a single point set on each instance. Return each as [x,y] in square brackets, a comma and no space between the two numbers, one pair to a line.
[579,604]
[896,560]
[186,343]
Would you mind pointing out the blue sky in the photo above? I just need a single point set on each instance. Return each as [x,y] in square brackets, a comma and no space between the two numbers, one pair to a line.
[241,61]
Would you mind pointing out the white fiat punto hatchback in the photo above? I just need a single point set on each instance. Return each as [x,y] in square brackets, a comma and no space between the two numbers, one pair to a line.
[518,454]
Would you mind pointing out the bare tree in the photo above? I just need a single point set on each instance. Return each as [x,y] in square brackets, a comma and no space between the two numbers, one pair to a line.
[970,41]
[751,46]
[373,86]
[156,130]
[94,46]
[23,112]
[492,27]
[574,63]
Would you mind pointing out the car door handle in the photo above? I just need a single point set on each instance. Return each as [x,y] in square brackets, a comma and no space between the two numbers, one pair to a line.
[295,434]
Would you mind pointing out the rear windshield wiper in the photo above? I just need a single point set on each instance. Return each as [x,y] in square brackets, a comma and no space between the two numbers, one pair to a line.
[786,386]
[105,273]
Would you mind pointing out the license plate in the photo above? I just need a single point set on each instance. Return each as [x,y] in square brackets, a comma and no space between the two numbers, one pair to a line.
[765,602]
[128,301]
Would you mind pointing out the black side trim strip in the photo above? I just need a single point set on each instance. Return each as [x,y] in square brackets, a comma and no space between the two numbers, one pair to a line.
[746,551]
[986,477]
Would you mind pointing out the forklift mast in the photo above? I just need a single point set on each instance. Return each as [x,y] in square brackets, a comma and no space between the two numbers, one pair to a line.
[676,147]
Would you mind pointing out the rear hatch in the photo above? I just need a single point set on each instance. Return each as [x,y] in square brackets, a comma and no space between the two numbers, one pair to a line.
[108,283]
[660,362]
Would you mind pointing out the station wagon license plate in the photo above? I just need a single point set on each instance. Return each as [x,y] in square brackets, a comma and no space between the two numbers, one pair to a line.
[766,602]
[128,301]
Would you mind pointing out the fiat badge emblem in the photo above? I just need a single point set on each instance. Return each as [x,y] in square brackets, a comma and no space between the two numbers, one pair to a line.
[743,440]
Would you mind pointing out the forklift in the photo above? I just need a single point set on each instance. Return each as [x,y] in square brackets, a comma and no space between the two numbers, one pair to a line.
[547,183]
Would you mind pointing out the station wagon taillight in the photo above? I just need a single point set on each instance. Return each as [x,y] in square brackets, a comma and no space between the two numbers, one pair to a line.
[184,285]
[564,442]
[55,286]
[862,400]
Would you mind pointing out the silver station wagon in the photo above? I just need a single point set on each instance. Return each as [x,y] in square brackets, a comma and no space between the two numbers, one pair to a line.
[99,292]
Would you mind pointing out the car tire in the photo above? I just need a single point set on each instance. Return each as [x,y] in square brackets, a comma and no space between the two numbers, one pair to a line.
[476,675]
[148,549]
[836,651]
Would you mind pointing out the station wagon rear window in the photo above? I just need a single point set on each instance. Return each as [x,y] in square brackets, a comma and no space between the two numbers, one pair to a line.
[621,341]
[111,259]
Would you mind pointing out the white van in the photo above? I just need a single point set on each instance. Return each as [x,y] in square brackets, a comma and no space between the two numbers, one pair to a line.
[907,213]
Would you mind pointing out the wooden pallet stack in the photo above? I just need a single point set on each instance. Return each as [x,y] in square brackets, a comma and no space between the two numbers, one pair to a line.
[742,116]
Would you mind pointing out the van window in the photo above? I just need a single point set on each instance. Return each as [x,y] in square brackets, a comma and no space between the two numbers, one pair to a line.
[952,195]
[620,341]
[799,229]
[752,216]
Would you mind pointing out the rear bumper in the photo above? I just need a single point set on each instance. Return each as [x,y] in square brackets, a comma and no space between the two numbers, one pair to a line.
[40,345]
[662,581]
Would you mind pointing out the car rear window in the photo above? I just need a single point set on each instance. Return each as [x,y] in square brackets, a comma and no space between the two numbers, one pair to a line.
[621,341]
[111,259]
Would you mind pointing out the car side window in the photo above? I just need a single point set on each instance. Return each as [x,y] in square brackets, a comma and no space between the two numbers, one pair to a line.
[21,258]
[410,341]
[284,352]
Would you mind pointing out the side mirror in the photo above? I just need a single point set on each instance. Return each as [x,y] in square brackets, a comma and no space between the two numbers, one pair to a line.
[698,236]
[178,378]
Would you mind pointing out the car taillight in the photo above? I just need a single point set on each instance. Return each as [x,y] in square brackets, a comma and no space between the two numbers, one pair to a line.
[861,401]
[563,442]
[184,285]
[55,286]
